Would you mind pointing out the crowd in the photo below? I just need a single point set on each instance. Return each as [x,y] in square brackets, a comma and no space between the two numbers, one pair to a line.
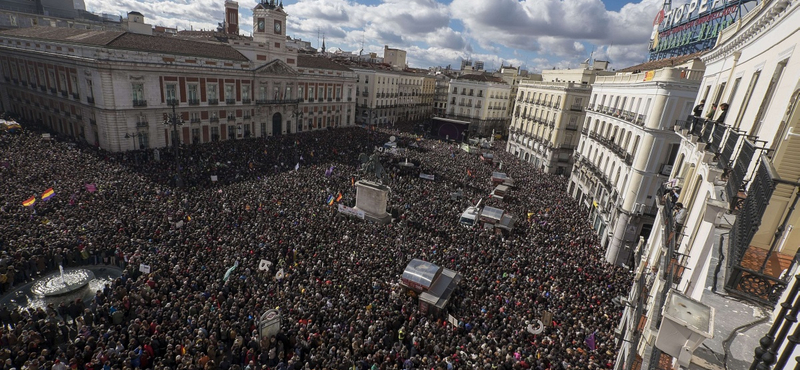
[339,295]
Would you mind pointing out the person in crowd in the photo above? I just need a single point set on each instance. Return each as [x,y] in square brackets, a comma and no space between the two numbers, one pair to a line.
[338,290]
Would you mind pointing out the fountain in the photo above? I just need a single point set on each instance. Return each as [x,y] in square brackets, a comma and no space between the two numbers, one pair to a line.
[63,283]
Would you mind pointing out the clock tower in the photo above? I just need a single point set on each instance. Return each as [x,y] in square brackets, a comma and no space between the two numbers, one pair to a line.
[269,22]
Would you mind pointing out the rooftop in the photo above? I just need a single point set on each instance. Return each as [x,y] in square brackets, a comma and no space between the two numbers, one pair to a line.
[310,61]
[481,78]
[129,41]
[661,63]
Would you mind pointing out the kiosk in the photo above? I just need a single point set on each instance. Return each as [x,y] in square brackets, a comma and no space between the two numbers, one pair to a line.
[433,285]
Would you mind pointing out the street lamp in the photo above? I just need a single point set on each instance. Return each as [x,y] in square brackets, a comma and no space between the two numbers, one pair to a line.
[175,120]
[298,117]
[131,136]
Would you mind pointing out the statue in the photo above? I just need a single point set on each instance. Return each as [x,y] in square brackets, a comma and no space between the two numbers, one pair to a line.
[372,165]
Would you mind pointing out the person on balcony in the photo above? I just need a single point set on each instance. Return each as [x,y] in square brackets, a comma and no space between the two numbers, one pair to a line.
[711,112]
[698,109]
[722,112]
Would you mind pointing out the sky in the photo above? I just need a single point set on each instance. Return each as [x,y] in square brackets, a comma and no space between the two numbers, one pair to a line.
[534,34]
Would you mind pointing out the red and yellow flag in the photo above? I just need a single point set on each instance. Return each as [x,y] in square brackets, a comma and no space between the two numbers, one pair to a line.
[48,194]
[29,202]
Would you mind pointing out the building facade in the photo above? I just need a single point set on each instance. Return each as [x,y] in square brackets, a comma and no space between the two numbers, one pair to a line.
[106,86]
[481,100]
[545,128]
[753,69]
[386,97]
[627,148]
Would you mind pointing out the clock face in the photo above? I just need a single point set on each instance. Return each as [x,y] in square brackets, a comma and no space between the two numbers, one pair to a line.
[260,25]
[277,27]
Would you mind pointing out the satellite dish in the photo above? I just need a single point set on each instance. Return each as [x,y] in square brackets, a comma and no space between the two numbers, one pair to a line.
[536,330]
[392,138]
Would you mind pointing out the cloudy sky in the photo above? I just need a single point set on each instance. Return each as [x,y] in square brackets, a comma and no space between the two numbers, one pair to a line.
[537,34]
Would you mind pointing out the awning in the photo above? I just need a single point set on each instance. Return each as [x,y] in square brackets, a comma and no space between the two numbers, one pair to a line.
[419,274]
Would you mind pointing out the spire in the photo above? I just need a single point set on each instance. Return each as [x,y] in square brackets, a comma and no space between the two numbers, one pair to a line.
[323,43]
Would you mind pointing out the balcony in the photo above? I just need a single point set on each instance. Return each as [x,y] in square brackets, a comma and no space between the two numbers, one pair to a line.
[246,101]
[247,116]
[230,101]
[194,120]
[76,96]
[231,118]
[640,119]
[139,103]
[141,124]
[213,101]
[43,87]
[576,108]
[64,93]
[92,122]
[278,101]
[213,120]
[571,127]
[194,101]
[52,90]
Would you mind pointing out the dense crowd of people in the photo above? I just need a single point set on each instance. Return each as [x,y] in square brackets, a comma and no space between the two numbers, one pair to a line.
[339,296]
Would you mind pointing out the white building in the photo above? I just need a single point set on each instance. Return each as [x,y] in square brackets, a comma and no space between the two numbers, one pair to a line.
[104,87]
[481,100]
[747,164]
[627,149]
[385,96]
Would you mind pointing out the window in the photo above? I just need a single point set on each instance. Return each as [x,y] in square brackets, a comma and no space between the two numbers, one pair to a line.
[137,90]
[211,89]
[62,82]
[338,93]
[311,93]
[89,89]
[762,109]
[230,93]
[144,140]
[192,93]
[262,93]
[231,132]
[171,93]
[263,129]
[320,92]
[329,93]
[214,133]
[288,94]
[245,92]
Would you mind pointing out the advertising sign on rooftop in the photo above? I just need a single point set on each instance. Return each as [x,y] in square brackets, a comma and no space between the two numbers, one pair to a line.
[693,26]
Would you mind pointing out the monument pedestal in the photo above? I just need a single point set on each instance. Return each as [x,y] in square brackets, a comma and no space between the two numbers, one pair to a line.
[371,197]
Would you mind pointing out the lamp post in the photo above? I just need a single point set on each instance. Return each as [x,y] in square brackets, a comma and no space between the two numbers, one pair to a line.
[175,120]
[131,136]
[298,117]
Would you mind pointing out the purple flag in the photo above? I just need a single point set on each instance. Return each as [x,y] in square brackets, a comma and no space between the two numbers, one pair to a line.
[329,171]
[91,188]
[591,341]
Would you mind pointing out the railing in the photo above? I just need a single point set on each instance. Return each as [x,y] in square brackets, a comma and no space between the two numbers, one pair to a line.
[726,155]
[278,101]
[230,101]
[194,101]
[246,101]
[247,116]
[747,281]
[640,119]
[194,120]
[576,108]
[213,120]
[139,103]
[213,101]
[738,172]
[64,93]
[141,124]
[231,118]
[76,96]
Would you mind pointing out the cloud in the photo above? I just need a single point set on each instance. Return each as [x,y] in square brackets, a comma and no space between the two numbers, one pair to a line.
[525,30]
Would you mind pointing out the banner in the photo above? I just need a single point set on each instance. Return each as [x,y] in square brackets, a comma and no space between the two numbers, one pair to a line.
[91,188]
[269,324]
[213,178]
[351,211]
[48,194]
[264,265]
[230,271]
[144,268]
[426,176]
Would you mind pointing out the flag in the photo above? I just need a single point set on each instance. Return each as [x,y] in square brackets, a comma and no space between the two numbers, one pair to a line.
[29,202]
[469,173]
[330,200]
[72,199]
[297,166]
[352,181]
[338,198]
[48,194]
[329,171]
[591,341]
[230,271]
[91,188]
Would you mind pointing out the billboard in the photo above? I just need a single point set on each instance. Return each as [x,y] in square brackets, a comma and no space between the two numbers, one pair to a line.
[693,26]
